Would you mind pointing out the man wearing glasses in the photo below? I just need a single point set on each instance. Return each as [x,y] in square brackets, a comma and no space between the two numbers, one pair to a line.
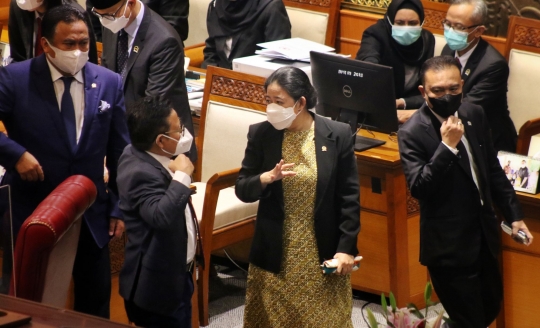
[156,278]
[147,52]
[483,69]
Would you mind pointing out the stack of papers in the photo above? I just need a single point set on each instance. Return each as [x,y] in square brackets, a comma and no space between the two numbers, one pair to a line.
[291,49]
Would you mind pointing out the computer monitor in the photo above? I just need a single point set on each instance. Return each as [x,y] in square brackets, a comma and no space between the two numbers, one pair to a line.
[357,93]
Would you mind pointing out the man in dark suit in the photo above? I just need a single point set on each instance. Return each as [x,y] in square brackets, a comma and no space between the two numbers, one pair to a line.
[63,116]
[143,48]
[452,168]
[156,281]
[175,12]
[483,69]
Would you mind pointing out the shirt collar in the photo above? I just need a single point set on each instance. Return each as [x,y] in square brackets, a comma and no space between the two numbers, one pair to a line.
[55,74]
[163,160]
[465,57]
[132,28]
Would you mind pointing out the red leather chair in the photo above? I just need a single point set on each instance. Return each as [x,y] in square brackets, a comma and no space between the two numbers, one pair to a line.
[47,243]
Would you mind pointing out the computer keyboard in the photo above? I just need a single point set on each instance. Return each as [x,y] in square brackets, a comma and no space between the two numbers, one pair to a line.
[364,143]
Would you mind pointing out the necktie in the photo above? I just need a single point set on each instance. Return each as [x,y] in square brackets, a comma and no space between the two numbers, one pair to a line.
[38,50]
[67,111]
[199,254]
[122,52]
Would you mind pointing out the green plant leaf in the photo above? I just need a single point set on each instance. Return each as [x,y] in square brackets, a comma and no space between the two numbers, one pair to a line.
[371,319]
[393,302]
[384,306]
[427,296]
[414,310]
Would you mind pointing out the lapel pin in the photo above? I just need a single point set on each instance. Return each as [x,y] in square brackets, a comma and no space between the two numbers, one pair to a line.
[467,72]
[323,148]
[94,85]
[136,49]
[469,122]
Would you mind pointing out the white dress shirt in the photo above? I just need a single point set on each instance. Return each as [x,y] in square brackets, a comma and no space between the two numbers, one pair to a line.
[132,28]
[465,57]
[77,94]
[184,179]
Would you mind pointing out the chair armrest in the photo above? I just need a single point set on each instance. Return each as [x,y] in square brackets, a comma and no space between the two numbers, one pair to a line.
[195,54]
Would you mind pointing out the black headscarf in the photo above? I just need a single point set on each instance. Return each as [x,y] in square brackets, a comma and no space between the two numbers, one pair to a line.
[415,52]
[228,17]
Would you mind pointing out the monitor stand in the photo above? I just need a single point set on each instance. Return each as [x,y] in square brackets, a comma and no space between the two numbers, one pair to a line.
[365,143]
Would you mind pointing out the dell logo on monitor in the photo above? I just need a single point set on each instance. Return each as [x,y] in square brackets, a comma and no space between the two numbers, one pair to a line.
[347,92]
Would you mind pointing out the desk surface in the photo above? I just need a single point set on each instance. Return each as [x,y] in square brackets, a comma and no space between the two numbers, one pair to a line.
[45,316]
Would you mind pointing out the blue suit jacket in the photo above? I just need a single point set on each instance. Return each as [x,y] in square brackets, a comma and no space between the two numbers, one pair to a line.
[153,203]
[29,110]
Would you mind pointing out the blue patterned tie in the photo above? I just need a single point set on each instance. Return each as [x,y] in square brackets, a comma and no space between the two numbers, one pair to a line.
[67,111]
[122,53]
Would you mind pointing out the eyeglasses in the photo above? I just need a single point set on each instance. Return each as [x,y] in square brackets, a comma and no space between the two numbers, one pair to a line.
[182,130]
[457,27]
[111,16]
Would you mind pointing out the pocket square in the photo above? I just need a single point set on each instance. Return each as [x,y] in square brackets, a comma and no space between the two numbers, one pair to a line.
[104,106]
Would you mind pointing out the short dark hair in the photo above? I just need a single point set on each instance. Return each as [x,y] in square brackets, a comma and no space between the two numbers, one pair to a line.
[437,64]
[295,82]
[146,119]
[64,13]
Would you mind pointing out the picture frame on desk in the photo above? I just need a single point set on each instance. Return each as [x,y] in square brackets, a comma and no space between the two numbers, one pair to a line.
[522,171]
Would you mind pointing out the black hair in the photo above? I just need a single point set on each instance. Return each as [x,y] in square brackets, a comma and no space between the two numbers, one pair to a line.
[437,64]
[295,82]
[64,13]
[146,119]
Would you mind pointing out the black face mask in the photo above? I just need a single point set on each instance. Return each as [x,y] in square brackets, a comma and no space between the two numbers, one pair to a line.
[446,105]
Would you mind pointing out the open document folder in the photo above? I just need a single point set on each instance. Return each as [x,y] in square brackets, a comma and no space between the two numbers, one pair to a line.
[291,49]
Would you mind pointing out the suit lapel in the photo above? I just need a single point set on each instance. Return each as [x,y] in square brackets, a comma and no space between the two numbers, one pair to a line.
[326,154]
[91,92]
[147,158]
[138,43]
[43,83]
[431,123]
[473,62]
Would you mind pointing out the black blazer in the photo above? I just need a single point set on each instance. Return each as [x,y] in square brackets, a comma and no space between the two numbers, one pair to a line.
[376,48]
[452,219]
[21,32]
[337,203]
[153,204]
[271,25]
[175,12]
[486,84]
[155,66]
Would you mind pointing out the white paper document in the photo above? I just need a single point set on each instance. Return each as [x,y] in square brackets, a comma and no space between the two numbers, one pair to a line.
[291,49]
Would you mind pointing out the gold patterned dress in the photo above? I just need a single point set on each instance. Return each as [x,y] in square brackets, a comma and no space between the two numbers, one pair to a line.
[300,295]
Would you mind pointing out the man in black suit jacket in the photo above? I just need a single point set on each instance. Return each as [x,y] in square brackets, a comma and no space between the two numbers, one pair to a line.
[155,55]
[155,280]
[452,169]
[484,69]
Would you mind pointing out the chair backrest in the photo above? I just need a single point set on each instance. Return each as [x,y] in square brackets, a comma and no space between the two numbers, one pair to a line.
[99,50]
[523,34]
[314,20]
[232,102]
[47,243]
[523,82]
[528,129]
[198,33]
[440,42]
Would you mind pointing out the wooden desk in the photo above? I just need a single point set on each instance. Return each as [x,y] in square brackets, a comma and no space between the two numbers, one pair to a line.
[520,267]
[44,316]
[389,239]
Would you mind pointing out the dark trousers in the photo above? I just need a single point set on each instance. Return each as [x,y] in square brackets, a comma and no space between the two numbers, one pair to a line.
[181,318]
[470,295]
[92,276]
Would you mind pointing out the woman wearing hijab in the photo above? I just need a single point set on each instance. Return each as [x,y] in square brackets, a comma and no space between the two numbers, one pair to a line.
[398,40]
[235,27]
[24,27]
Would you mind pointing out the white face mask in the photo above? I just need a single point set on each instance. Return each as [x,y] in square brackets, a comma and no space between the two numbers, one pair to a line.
[69,62]
[118,23]
[29,5]
[183,145]
[279,116]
